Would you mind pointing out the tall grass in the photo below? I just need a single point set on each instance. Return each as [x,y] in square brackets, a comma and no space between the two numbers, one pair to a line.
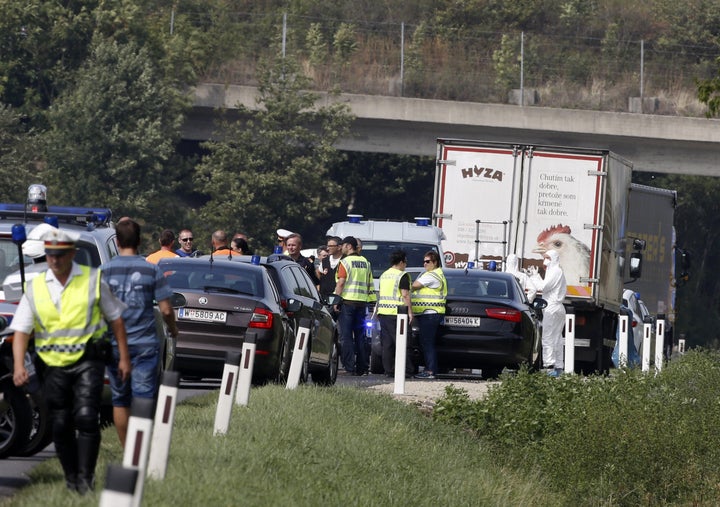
[310,447]
[628,439]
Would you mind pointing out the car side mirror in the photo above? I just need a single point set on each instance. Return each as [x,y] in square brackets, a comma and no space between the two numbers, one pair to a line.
[293,305]
[539,304]
[635,265]
[177,300]
[648,319]
[333,299]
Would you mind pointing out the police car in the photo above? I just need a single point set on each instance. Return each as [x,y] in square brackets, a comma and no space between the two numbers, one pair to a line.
[22,253]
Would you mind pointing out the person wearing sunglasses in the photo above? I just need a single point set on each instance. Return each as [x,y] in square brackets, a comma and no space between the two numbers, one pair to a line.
[428,307]
[187,244]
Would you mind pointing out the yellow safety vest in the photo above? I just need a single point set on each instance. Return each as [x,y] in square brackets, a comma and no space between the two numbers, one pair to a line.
[359,282]
[60,337]
[390,296]
[431,299]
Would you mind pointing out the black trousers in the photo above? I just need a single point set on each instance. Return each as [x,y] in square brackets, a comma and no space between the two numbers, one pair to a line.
[388,327]
[73,395]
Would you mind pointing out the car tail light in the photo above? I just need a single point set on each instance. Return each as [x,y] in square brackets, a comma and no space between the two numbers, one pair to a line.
[504,314]
[261,319]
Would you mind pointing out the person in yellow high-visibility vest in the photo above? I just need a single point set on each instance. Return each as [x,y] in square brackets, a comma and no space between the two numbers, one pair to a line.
[428,306]
[394,292]
[355,285]
[67,308]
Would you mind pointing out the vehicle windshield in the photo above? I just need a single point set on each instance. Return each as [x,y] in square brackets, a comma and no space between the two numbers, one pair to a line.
[474,285]
[378,253]
[207,277]
[86,255]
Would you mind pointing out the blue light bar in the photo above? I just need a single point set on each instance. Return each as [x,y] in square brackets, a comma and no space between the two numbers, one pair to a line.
[278,249]
[52,221]
[422,221]
[255,259]
[354,219]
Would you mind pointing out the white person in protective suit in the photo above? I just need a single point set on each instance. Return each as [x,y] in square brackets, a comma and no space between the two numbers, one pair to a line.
[512,266]
[553,289]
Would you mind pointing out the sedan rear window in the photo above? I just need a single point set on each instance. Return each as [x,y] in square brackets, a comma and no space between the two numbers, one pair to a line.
[210,278]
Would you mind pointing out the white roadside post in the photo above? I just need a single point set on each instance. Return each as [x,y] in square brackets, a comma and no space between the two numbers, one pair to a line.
[119,486]
[227,392]
[659,341]
[298,356]
[647,345]
[162,430]
[569,340]
[246,369]
[623,348]
[401,332]
[137,442]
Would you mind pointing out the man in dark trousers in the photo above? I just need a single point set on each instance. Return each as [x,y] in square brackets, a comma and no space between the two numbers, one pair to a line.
[67,307]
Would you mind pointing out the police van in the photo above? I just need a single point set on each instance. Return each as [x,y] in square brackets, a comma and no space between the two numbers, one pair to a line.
[380,238]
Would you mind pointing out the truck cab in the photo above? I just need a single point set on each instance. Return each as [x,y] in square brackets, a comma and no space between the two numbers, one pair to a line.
[381,237]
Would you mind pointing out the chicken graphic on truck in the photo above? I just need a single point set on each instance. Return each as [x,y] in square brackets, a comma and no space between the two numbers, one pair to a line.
[494,199]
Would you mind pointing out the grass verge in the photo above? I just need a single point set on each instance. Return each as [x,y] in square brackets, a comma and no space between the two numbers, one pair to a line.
[309,447]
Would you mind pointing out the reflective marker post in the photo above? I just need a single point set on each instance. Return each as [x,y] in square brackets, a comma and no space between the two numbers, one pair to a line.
[162,429]
[647,345]
[623,348]
[298,356]
[401,332]
[659,341]
[569,340]
[137,442]
[119,487]
[227,392]
[246,369]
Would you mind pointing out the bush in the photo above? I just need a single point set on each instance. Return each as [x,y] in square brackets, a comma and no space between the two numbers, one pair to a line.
[627,439]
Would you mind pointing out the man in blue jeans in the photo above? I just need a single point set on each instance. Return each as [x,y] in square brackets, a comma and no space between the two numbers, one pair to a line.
[138,284]
[355,286]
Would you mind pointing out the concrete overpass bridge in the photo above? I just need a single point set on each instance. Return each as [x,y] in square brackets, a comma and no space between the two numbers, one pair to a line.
[662,144]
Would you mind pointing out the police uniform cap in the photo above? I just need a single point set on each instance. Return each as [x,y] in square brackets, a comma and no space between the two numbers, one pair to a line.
[59,241]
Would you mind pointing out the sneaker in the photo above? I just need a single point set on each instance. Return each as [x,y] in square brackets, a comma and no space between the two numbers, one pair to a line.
[426,375]
[554,373]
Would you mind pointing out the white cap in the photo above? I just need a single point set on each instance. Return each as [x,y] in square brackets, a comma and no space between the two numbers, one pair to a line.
[283,233]
[34,247]
[58,241]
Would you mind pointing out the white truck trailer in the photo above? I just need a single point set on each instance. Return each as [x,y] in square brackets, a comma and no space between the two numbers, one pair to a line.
[493,199]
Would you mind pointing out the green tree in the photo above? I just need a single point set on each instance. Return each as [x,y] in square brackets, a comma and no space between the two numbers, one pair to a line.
[112,136]
[17,169]
[270,169]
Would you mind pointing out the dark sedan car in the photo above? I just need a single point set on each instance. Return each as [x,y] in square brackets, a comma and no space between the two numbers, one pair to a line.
[226,298]
[489,324]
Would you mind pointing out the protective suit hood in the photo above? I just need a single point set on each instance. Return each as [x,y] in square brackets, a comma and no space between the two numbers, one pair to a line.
[511,264]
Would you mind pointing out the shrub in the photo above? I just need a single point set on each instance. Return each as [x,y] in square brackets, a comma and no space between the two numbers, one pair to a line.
[627,439]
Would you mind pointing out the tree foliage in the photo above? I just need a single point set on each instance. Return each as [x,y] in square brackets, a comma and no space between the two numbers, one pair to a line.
[113,135]
[270,169]
[17,168]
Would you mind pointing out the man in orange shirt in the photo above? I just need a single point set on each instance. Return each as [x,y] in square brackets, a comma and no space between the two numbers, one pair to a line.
[220,244]
[167,240]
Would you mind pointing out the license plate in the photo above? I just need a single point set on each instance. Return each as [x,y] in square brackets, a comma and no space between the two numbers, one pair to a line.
[201,315]
[458,321]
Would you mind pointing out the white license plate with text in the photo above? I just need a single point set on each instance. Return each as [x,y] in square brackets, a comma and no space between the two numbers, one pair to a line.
[201,315]
[458,321]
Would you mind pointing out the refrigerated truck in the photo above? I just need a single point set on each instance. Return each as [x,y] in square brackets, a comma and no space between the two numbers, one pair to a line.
[652,220]
[492,199]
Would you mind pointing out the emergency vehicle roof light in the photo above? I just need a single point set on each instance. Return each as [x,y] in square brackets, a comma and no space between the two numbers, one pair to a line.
[52,220]
[354,219]
[18,234]
[422,221]
[37,198]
